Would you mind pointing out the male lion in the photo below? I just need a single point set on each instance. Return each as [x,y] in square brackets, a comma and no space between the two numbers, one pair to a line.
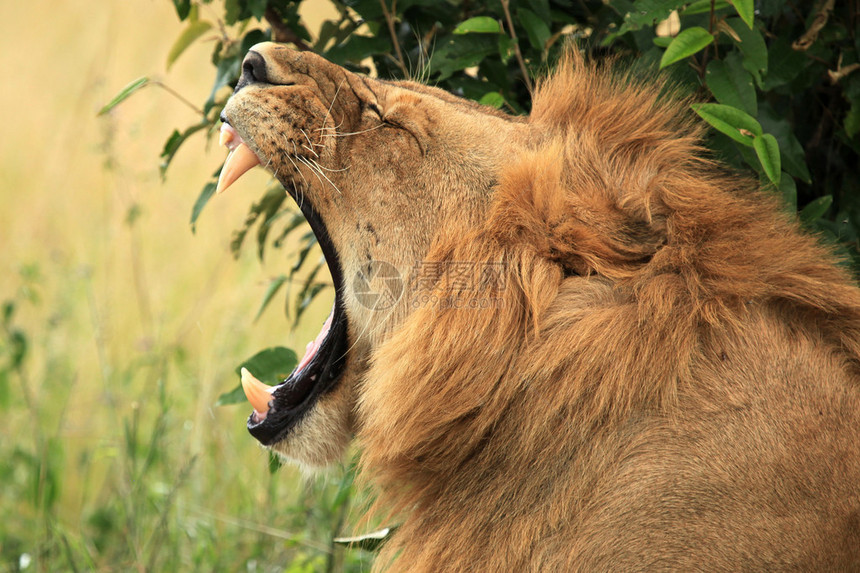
[641,364]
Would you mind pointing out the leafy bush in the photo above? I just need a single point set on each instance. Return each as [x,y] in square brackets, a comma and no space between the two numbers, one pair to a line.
[776,81]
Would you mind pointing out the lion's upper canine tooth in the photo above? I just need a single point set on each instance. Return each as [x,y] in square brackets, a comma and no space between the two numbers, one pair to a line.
[257,393]
[240,160]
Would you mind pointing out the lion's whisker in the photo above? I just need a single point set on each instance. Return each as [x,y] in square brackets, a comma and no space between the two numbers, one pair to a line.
[311,149]
[330,170]
[331,105]
[316,167]
[356,132]
[299,171]
[332,128]
[316,172]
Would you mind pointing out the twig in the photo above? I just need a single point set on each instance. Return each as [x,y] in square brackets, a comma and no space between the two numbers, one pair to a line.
[517,52]
[389,19]
[178,96]
[840,71]
[713,45]
[806,40]
[283,33]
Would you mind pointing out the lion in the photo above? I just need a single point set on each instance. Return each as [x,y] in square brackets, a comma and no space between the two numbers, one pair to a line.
[605,351]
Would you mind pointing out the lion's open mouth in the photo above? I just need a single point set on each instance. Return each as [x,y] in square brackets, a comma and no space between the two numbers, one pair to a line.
[278,408]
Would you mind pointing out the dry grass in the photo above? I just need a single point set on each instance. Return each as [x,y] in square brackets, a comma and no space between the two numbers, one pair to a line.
[133,323]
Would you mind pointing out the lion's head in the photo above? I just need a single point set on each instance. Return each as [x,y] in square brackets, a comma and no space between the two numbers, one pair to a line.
[565,342]
[379,169]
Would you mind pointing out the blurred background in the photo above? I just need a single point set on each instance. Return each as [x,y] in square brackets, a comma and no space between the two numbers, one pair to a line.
[121,327]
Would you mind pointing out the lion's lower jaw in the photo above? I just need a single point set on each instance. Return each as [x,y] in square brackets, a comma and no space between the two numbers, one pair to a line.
[323,435]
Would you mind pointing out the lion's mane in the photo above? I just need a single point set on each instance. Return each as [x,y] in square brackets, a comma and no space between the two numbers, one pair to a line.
[636,269]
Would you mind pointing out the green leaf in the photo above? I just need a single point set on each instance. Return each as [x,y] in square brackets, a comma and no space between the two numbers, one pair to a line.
[507,48]
[309,240]
[176,139]
[271,365]
[4,389]
[227,73]
[816,209]
[256,36]
[746,10]
[344,488]
[685,44]
[646,13]
[852,119]
[124,94]
[493,99]
[730,121]
[704,7]
[784,64]
[662,41]
[191,32]
[460,52]
[306,297]
[231,11]
[357,48]
[274,286]
[183,7]
[202,199]
[731,84]
[257,8]
[18,349]
[234,396]
[788,189]
[537,30]
[275,462]
[752,46]
[229,66]
[767,150]
[479,25]
[542,9]
[296,220]
[269,209]
[8,312]
[792,153]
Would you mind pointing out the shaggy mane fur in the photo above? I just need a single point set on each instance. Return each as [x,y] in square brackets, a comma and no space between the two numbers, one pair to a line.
[642,282]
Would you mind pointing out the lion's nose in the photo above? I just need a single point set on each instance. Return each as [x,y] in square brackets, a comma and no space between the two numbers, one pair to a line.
[253,70]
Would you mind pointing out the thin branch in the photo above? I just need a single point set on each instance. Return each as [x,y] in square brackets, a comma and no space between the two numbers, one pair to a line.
[806,40]
[283,33]
[840,71]
[178,96]
[517,52]
[713,45]
[389,19]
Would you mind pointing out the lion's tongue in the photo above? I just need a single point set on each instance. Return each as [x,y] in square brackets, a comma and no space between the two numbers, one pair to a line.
[259,394]
[240,159]
[312,347]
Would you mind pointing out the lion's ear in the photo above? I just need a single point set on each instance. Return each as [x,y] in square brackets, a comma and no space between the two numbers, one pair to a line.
[581,224]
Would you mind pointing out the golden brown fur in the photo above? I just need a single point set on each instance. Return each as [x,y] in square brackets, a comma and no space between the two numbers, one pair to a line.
[668,379]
